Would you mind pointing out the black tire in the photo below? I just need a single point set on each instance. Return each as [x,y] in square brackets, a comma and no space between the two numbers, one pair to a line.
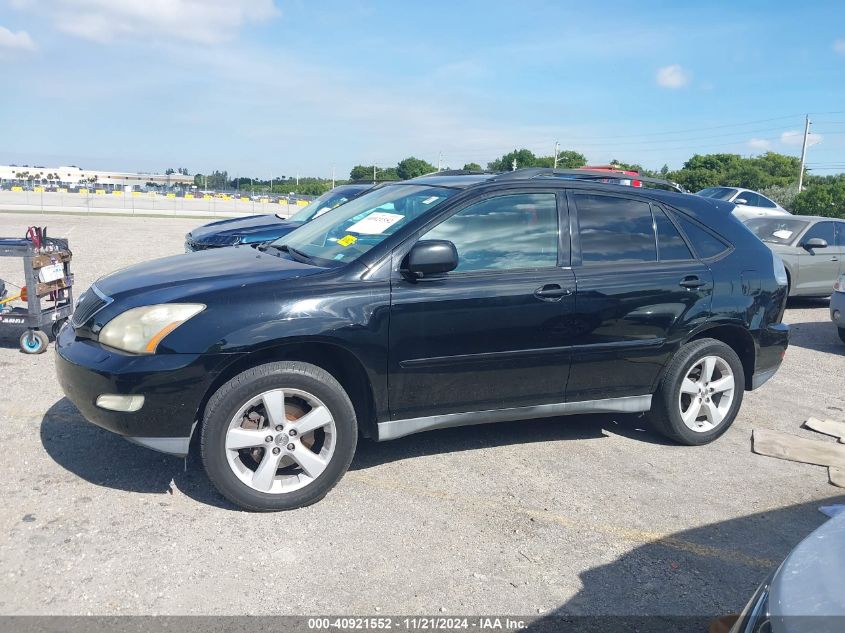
[842,334]
[665,415]
[56,327]
[34,342]
[226,402]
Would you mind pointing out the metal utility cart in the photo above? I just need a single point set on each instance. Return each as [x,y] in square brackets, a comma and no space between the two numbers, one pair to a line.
[48,290]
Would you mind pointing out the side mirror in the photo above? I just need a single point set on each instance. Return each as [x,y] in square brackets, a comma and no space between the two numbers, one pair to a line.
[814,242]
[740,201]
[431,257]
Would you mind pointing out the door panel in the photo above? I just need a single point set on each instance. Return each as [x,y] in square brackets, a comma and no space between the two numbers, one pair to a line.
[632,320]
[478,341]
[818,268]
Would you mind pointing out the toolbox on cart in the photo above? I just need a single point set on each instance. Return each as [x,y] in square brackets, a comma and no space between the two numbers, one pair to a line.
[47,290]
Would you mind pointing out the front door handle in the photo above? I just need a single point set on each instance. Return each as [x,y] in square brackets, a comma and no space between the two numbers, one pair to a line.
[552,292]
[693,281]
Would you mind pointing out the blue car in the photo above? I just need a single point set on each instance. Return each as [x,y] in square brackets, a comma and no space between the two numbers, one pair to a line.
[258,229]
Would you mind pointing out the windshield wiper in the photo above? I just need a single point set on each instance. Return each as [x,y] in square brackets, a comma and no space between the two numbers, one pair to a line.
[297,254]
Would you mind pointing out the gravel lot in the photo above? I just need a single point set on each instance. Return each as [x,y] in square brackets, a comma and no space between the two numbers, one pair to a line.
[579,515]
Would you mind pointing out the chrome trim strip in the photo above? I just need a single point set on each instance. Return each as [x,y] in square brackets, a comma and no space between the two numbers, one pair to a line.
[540,351]
[171,445]
[394,429]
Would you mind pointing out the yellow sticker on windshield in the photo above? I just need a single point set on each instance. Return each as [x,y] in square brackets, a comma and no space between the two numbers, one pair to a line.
[347,240]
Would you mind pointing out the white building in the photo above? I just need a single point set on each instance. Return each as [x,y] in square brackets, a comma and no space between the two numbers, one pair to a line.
[71,176]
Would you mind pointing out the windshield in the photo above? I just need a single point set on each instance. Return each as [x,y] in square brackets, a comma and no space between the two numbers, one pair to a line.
[319,206]
[776,230]
[353,229]
[719,193]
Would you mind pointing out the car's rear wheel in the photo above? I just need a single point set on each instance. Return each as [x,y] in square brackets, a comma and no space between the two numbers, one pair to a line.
[278,436]
[700,394]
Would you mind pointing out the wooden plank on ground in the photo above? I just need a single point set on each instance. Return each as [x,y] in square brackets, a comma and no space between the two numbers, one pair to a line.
[837,476]
[828,427]
[797,449]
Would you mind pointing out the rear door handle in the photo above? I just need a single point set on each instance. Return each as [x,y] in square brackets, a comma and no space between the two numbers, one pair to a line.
[693,281]
[552,292]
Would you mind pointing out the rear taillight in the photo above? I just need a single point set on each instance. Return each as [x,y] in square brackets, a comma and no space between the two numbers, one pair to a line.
[839,286]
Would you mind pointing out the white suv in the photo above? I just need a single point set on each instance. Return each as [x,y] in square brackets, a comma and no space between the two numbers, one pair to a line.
[749,204]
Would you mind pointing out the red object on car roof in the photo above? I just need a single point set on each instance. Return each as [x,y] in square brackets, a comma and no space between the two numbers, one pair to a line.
[611,168]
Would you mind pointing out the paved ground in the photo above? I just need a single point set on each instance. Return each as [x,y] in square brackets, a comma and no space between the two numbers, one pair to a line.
[581,515]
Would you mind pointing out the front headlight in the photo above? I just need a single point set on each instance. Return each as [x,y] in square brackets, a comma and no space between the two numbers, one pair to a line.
[140,330]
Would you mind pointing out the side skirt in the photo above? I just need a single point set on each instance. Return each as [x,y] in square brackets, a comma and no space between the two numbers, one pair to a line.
[400,428]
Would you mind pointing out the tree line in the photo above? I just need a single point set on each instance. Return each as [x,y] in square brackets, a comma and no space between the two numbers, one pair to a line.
[772,174]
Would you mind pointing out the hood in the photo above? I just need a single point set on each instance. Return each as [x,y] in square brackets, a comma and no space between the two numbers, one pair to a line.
[204,271]
[811,582]
[253,228]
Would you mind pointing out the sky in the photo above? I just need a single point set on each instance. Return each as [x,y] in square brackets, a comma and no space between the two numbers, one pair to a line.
[266,88]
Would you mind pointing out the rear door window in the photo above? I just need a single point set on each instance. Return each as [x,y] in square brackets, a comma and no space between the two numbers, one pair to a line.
[670,245]
[614,230]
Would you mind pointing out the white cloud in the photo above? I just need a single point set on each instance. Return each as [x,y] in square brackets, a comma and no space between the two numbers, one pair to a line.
[672,76]
[759,144]
[796,138]
[198,21]
[20,41]
[839,46]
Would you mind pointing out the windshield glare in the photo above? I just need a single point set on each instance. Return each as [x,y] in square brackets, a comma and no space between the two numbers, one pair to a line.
[319,206]
[719,193]
[775,230]
[351,230]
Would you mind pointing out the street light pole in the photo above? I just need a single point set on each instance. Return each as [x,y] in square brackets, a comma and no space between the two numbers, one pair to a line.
[803,152]
[557,151]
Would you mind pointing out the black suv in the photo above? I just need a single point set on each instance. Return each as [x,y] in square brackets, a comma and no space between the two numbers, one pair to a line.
[434,302]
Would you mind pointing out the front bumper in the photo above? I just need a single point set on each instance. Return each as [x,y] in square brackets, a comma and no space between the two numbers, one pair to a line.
[837,308]
[772,344]
[173,385]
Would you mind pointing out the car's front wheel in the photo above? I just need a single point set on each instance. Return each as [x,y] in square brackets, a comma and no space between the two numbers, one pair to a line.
[700,394]
[278,436]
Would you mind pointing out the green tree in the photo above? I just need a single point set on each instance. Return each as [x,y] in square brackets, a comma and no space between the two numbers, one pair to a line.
[472,167]
[569,159]
[412,167]
[823,196]
[523,158]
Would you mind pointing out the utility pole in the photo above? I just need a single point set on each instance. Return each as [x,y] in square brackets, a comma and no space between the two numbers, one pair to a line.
[513,165]
[557,151]
[374,173]
[804,152]
[439,161]
[332,176]
[297,179]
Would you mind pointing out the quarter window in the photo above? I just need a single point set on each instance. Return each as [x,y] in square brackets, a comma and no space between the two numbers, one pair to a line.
[670,244]
[705,244]
[765,202]
[504,233]
[614,230]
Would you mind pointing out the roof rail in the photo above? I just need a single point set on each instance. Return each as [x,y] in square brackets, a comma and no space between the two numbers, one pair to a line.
[459,172]
[529,173]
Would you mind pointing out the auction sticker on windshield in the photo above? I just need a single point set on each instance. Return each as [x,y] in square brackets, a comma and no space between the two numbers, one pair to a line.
[375,223]
[783,234]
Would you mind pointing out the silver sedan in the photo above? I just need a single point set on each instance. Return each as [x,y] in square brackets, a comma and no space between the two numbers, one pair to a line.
[812,249]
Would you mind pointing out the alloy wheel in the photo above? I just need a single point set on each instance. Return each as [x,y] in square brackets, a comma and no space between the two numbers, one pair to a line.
[280,440]
[707,393]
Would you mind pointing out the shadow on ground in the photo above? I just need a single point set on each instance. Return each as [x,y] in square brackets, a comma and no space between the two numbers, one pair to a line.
[106,459]
[819,336]
[682,582]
